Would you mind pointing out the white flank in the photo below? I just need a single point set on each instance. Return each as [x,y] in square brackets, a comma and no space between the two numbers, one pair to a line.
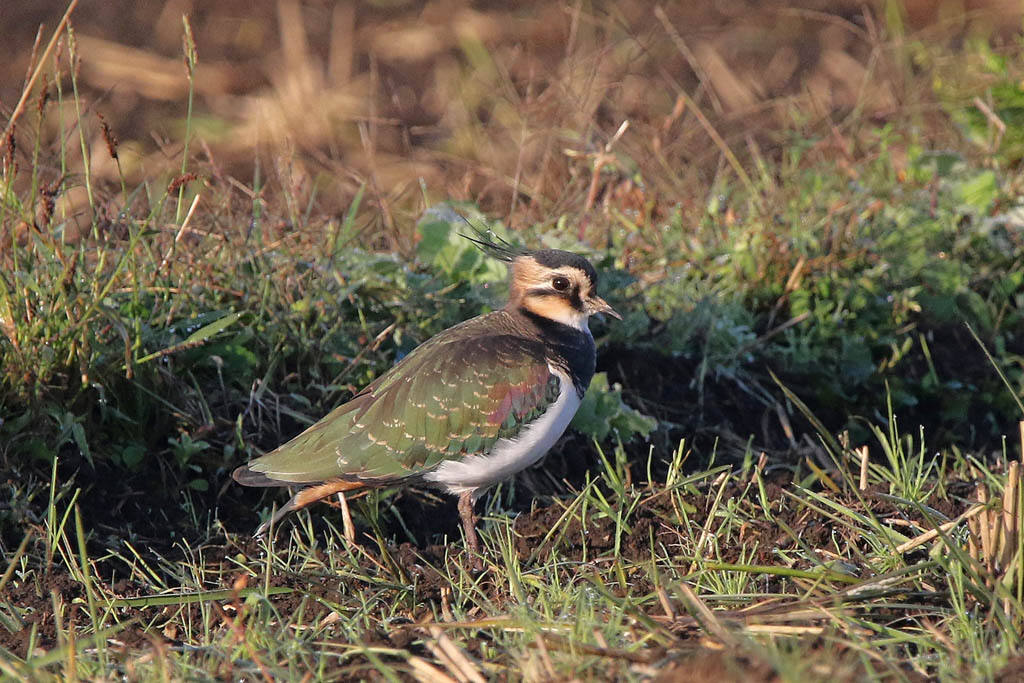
[477,473]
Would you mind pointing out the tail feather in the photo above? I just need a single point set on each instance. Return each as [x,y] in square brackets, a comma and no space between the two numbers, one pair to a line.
[303,498]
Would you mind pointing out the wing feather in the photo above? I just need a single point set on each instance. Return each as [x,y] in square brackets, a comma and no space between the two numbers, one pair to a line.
[456,394]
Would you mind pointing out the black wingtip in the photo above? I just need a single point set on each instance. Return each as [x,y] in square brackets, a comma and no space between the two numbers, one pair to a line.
[247,477]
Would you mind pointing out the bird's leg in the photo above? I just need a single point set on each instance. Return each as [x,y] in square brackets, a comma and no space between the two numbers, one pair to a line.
[469,527]
[346,519]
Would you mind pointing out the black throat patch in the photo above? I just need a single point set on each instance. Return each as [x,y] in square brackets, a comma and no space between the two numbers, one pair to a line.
[570,349]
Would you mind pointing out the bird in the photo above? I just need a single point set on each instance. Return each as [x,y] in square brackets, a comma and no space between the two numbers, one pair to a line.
[466,409]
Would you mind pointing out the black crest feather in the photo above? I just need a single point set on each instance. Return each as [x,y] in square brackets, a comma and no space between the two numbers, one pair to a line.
[496,247]
[492,245]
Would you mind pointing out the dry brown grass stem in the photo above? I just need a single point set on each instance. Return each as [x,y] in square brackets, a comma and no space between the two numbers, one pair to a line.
[455,660]
[996,533]
[705,123]
[706,617]
[994,120]
[108,64]
[555,642]
[26,92]
[943,528]
[1020,430]
[863,455]
[181,231]
[425,672]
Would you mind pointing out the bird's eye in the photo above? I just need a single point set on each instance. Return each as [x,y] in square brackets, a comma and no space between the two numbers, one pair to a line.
[560,283]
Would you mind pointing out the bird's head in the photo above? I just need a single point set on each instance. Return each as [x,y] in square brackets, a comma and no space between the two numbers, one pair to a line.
[550,283]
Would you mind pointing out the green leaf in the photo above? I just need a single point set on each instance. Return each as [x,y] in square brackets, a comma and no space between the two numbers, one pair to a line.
[78,434]
[196,338]
[213,328]
[442,245]
[603,411]
[132,455]
[978,192]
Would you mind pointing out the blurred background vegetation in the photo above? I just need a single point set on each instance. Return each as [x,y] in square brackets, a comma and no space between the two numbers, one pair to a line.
[214,230]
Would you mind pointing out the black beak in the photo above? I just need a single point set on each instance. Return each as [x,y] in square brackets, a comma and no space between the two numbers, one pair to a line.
[598,305]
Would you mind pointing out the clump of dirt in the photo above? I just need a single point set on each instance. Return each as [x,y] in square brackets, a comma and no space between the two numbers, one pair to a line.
[724,665]
[1012,672]
[717,665]
[35,598]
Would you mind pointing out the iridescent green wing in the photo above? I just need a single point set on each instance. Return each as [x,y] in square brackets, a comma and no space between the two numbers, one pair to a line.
[458,393]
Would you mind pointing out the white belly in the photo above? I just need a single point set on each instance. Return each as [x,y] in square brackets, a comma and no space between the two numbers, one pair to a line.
[476,473]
